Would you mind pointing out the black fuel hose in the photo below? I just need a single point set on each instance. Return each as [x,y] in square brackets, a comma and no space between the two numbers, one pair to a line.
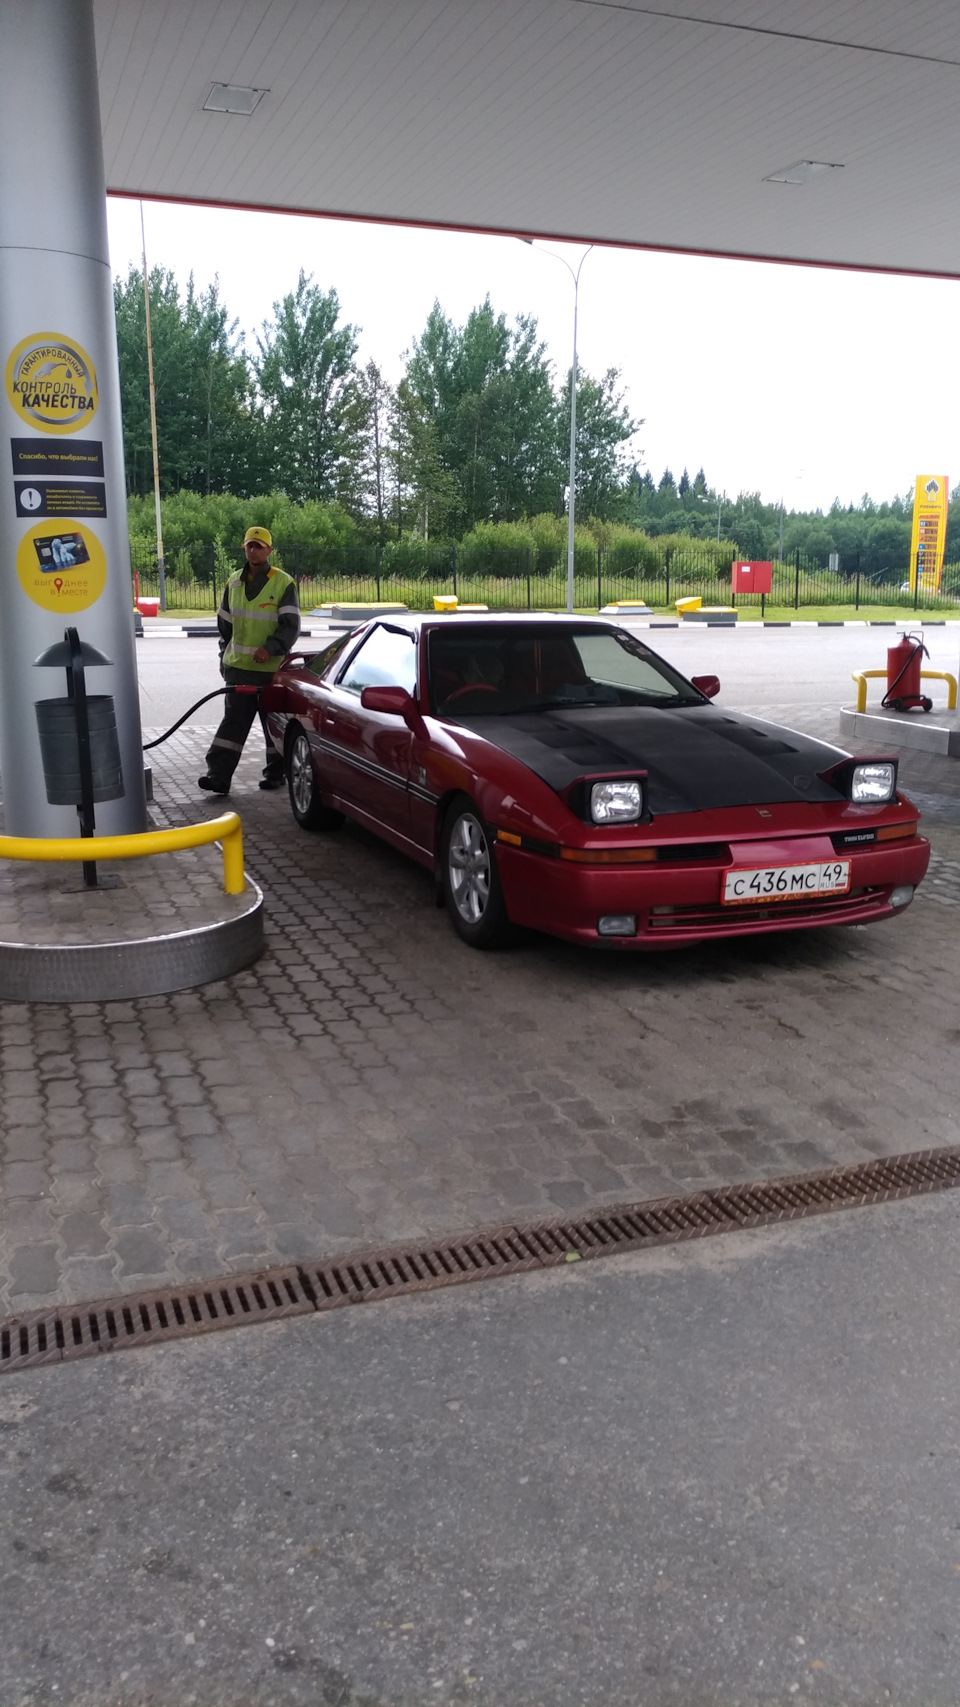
[175,726]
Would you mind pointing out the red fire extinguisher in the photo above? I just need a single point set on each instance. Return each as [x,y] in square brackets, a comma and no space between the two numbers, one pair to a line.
[903,675]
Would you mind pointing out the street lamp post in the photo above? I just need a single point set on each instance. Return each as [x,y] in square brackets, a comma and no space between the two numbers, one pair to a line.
[572,488]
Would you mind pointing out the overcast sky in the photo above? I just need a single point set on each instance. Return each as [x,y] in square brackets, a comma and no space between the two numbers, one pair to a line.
[790,381]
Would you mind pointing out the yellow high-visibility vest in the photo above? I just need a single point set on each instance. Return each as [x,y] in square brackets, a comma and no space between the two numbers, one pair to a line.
[254,621]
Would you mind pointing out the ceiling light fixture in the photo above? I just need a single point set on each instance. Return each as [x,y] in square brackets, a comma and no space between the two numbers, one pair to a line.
[802,171]
[233,98]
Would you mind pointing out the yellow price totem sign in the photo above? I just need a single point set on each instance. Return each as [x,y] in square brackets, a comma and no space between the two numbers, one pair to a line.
[929,531]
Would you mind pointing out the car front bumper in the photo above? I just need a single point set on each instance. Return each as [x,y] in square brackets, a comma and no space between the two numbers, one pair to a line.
[676,904]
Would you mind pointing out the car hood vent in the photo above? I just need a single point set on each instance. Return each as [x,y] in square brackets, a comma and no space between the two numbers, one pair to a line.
[696,758]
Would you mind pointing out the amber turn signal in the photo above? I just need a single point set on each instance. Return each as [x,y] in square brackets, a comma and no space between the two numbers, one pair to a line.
[609,856]
[895,832]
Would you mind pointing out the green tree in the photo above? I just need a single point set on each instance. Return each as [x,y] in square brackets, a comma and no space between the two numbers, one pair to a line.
[307,384]
[377,402]
[484,392]
[209,432]
[604,433]
[886,554]
[667,493]
[425,488]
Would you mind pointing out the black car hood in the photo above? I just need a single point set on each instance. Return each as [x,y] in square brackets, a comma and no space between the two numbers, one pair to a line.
[696,756]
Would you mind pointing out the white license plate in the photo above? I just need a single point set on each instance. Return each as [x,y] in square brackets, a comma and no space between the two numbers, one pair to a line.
[785,882]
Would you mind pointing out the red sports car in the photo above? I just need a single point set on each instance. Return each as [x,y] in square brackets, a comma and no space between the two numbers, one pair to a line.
[555,773]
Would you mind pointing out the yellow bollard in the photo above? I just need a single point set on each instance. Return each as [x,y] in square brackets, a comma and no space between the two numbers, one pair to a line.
[226,830]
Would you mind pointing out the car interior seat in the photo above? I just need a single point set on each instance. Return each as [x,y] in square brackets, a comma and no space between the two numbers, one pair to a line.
[560,666]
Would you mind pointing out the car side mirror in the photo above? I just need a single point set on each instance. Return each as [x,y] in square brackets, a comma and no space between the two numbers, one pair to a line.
[392,700]
[396,702]
[709,686]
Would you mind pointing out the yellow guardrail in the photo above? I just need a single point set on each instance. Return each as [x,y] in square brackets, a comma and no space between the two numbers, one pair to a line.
[226,830]
[860,677]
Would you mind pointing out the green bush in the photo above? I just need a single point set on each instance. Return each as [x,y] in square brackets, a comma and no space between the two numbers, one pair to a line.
[535,547]
[192,522]
[416,559]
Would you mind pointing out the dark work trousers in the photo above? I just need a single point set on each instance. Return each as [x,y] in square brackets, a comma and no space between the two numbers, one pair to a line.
[223,756]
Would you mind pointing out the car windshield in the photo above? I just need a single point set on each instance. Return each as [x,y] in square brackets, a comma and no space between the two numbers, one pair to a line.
[500,670]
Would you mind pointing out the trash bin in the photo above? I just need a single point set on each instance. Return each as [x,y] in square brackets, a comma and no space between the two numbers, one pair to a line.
[148,607]
[60,749]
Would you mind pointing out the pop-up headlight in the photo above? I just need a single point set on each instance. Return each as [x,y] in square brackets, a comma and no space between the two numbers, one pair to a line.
[867,782]
[616,802]
[871,785]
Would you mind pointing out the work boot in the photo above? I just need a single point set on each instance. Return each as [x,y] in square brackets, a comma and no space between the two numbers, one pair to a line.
[272,782]
[211,785]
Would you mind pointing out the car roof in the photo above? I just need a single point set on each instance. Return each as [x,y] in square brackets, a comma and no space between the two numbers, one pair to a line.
[488,619]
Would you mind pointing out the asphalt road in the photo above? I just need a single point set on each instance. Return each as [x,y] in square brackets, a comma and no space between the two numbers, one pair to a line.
[726,1475]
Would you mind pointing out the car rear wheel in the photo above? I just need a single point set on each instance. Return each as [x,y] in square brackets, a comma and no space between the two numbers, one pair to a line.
[305,802]
[471,881]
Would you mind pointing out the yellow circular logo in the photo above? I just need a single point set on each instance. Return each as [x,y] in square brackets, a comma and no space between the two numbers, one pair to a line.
[61,566]
[52,383]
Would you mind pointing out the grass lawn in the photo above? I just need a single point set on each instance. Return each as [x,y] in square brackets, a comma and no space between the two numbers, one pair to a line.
[179,616]
[830,613]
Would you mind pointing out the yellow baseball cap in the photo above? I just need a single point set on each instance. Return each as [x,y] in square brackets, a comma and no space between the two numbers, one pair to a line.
[258,536]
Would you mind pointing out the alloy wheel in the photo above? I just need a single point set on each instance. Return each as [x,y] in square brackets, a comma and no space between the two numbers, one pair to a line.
[301,774]
[468,866]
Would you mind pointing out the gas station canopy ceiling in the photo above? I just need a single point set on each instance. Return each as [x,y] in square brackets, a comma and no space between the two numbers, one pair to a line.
[664,126]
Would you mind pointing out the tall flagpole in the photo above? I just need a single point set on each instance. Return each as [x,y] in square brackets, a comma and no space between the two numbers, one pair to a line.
[153,421]
[572,478]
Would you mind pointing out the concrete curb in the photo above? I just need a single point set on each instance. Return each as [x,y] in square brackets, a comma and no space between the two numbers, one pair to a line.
[147,966]
[745,627]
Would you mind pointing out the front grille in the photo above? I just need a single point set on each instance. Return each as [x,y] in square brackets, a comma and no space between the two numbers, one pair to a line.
[718,853]
[824,910]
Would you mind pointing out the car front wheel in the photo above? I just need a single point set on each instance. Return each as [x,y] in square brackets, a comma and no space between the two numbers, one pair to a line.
[305,802]
[471,881]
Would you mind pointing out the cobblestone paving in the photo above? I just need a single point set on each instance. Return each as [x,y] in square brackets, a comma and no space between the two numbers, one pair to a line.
[373,1079]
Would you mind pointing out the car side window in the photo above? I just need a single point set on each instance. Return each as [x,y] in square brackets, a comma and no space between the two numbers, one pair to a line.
[321,662]
[387,659]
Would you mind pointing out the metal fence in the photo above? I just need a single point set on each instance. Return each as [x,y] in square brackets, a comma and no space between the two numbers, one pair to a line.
[411,572]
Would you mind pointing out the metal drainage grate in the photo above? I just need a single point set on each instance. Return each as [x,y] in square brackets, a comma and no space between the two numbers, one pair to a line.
[177,1312]
[145,1318]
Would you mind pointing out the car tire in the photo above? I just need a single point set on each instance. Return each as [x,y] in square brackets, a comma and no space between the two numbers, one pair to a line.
[470,880]
[305,802]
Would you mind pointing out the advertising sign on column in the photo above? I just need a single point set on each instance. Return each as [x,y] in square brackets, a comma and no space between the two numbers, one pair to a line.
[929,535]
[52,386]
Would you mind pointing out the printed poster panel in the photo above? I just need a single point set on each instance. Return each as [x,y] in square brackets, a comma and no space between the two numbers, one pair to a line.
[60,498]
[78,459]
